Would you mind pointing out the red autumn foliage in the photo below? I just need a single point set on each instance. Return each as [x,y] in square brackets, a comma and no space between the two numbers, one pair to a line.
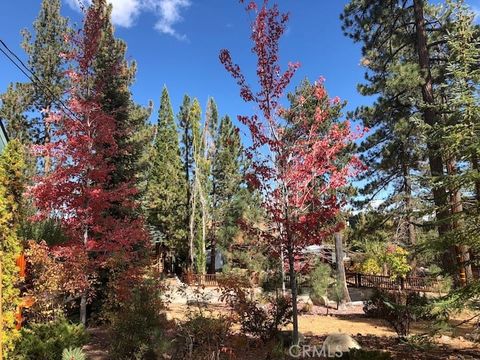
[77,191]
[295,156]
[298,175]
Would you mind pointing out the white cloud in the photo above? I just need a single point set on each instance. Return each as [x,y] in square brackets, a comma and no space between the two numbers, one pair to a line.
[126,12]
[168,12]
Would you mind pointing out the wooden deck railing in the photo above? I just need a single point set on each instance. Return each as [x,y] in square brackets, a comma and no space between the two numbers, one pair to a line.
[413,283]
[425,284]
[201,279]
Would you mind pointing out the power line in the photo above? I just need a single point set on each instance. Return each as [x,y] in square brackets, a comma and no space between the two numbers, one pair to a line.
[37,82]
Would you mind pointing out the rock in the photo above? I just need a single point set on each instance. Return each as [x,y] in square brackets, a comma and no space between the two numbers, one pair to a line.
[200,303]
[445,339]
[339,343]
[321,301]
[303,298]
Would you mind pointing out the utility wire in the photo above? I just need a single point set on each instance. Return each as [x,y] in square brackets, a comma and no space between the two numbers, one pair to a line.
[36,81]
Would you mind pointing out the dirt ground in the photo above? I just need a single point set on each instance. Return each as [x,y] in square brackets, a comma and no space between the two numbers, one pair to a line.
[372,334]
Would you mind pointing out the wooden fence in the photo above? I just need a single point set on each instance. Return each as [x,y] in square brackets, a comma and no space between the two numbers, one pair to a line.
[200,279]
[425,284]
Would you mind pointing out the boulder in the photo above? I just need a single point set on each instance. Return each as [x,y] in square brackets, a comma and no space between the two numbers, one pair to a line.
[304,298]
[319,301]
[339,343]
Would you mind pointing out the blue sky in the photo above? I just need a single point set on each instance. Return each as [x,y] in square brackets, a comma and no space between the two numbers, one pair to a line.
[176,43]
[186,58]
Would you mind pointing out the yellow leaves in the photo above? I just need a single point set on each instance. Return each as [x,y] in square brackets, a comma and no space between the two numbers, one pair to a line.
[12,168]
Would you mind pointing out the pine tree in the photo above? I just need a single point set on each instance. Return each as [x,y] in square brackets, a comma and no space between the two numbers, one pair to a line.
[113,77]
[15,101]
[12,182]
[166,189]
[185,128]
[404,53]
[197,195]
[461,110]
[47,61]
[226,192]
[186,148]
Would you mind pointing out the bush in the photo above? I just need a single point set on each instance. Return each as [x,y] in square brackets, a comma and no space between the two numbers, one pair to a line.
[399,309]
[137,323]
[371,266]
[272,282]
[73,354]
[320,280]
[256,319]
[46,341]
[203,336]
[389,256]
[54,281]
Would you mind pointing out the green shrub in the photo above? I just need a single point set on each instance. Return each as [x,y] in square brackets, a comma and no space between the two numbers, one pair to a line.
[272,282]
[73,354]
[258,318]
[202,335]
[138,324]
[399,309]
[46,341]
[320,280]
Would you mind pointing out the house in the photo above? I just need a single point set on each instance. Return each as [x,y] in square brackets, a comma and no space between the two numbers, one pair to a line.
[220,260]
[3,136]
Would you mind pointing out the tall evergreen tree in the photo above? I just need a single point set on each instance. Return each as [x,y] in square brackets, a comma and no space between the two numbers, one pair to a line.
[226,191]
[404,53]
[460,134]
[45,49]
[185,128]
[197,196]
[166,189]
[15,101]
[113,77]
[186,146]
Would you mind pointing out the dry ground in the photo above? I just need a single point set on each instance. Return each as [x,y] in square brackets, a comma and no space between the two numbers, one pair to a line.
[370,333]
[373,334]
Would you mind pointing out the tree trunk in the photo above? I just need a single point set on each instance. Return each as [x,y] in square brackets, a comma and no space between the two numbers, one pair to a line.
[462,251]
[410,228]
[204,232]
[434,151]
[282,269]
[411,235]
[192,228]
[341,277]
[293,288]
[83,299]
[476,167]
[213,254]
[188,204]
[48,161]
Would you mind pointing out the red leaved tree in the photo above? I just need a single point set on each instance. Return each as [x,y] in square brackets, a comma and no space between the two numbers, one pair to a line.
[295,154]
[77,191]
